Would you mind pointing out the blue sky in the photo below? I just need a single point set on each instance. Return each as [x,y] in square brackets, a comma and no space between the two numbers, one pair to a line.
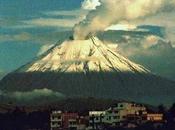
[25,26]
[19,14]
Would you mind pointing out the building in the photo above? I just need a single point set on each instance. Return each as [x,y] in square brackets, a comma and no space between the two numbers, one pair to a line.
[60,120]
[122,113]
[96,118]
[70,120]
[83,122]
[155,117]
[56,120]
[129,112]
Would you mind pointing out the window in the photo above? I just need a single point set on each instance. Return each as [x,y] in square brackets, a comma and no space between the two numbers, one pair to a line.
[115,111]
[121,105]
[56,117]
[109,117]
[124,117]
[140,112]
[91,124]
[72,123]
[117,124]
[59,117]
[116,117]
[91,118]
[116,105]
[110,111]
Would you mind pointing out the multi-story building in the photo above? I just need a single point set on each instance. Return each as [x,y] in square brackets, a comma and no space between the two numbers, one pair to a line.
[60,120]
[83,122]
[129,112]
[117,115]
[124,114]
[56,120]
[155,117]
[70,120]
[96,118]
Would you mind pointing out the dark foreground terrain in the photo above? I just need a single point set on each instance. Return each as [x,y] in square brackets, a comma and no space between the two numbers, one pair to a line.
[146,88]
[38,117]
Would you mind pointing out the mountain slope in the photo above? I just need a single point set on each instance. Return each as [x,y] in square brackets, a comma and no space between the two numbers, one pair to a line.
[82,56]
[90,69]
[149,47]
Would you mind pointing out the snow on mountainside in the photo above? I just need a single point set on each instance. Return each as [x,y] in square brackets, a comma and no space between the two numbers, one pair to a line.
[82,56]
[89,68]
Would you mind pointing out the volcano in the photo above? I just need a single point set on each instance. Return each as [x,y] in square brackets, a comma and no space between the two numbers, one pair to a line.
[89,68]
[82,56]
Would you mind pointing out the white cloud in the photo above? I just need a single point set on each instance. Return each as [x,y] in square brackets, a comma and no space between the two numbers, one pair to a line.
[32,96]
[150,41]
[115,11]
[21,26]
[50,22]
[45,48]
[24,36]
[161,19]
[164,19]
[90,4]
[35,93]
[76,13]
[66,22]
[122,27]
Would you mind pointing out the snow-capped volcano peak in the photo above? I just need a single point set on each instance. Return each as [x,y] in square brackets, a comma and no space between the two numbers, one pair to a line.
[89,55]
[88,68]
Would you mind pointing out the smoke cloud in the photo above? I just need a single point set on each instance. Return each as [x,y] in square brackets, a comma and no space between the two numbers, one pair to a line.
[115,11]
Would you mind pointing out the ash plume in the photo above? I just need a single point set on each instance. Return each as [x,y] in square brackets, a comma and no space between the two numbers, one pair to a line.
[115,11]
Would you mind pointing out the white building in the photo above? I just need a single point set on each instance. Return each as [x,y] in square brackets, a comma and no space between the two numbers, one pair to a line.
[117,115]
[56,120]
[130,112]
[96,118]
